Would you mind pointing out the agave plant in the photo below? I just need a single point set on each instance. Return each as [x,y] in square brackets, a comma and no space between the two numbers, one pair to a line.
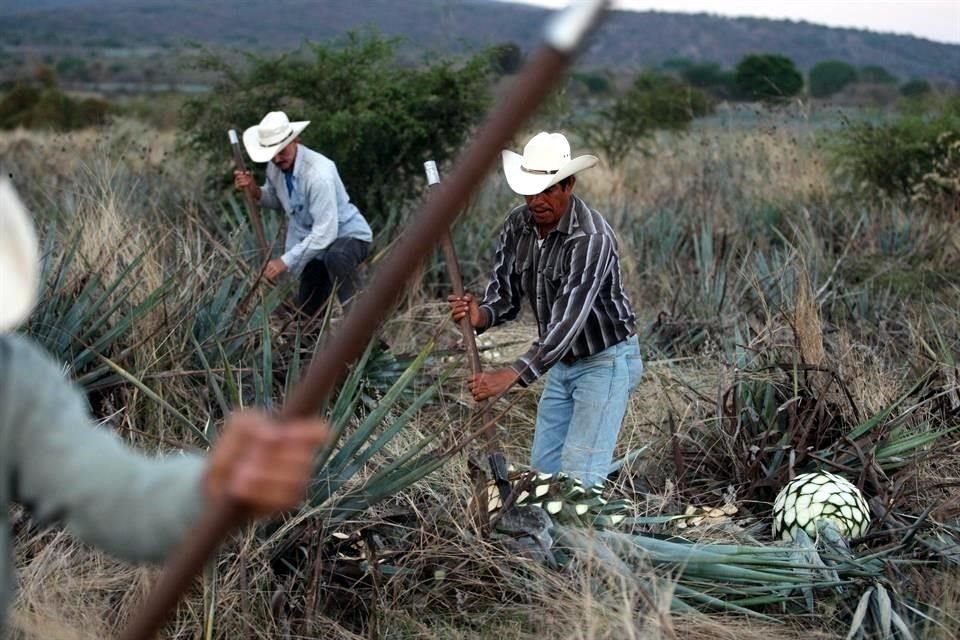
[80,318]
[753,580]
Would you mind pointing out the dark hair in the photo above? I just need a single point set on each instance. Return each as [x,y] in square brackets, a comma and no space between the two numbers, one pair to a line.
[566,182]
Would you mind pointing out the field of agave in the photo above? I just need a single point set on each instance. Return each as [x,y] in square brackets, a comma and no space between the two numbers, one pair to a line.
[790,323]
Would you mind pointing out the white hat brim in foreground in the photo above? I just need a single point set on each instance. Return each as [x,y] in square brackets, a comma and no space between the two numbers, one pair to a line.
[19,260]
[260,153]
[525,183]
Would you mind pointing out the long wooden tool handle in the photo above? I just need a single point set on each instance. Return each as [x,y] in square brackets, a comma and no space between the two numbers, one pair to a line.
[564,34]
[456,280]
[253,208]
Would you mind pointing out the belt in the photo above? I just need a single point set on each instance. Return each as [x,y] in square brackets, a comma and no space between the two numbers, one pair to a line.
[568,358]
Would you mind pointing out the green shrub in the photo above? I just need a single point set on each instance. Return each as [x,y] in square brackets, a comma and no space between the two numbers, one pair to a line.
[767,77]
[894,157]
[32,107]
[506,58]
[16,105]
[876,74]
[940,187]
[830,76]
[90,112]
[711,77]
[914,88]
[595,83]
[73,68]
[653,102]
[377,120]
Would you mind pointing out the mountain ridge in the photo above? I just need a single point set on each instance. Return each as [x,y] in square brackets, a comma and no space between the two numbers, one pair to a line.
[627,39]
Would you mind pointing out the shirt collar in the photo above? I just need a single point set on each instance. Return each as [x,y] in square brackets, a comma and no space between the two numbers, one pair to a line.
[295,171]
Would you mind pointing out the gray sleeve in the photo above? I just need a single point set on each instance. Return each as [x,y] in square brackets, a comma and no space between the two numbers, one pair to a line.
[66,469]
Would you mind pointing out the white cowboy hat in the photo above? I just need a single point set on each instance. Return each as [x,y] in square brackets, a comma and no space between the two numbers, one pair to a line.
[545,162]
[19,259]
[267,139]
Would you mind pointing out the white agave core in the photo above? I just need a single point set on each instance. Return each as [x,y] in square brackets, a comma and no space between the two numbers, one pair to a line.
[819,496]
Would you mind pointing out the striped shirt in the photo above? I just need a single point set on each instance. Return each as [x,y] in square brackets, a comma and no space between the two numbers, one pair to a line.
[572,282]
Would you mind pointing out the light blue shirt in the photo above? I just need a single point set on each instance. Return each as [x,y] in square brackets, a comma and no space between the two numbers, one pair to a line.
[319,209]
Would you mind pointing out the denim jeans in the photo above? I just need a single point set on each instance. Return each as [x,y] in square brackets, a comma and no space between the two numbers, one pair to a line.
[581,412]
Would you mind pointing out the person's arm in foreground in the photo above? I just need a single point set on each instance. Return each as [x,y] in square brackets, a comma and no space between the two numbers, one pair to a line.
[137,507]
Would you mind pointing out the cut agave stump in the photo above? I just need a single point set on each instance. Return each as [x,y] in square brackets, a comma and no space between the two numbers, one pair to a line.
[820,496]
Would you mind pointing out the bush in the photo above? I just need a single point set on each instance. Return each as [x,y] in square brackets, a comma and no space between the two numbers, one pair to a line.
[767,77]
[876,74]
[653,102]
[940,188]
[73,68]
[830,76]
[377,121]
[914,88]
[16,105]
[709,76]
[507,58]
[33,107]
[894,157]
[595,83]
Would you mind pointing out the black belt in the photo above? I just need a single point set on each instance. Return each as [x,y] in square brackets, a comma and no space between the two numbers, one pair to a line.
[568,358]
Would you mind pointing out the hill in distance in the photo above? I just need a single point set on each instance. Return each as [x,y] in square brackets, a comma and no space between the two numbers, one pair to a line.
[627,39]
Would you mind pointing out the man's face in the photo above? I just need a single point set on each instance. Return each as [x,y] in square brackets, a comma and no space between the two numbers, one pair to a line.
[548,206]
[284,159]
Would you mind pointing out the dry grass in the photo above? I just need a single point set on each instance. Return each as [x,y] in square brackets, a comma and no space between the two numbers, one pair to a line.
[712,181]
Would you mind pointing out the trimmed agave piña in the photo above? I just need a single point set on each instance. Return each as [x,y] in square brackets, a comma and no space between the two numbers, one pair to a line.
[819,496]
[564,498]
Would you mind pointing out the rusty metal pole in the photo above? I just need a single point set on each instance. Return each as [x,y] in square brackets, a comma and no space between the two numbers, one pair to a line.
[563,35]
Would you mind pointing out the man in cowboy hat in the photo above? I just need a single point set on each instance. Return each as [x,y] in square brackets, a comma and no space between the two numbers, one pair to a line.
[60,466]
[562,255]
[327,237]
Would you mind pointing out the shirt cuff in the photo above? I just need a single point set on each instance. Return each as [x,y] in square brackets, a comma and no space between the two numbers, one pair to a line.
[291,262]
[527,372]
[491,317]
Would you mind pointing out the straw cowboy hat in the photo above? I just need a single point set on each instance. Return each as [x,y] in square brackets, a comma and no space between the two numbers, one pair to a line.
[267,139]
[19,260]
[545,162]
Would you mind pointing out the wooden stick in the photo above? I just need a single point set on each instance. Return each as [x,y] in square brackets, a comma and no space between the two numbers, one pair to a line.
[495,458]
[253,208]
[456,280]
[563,36]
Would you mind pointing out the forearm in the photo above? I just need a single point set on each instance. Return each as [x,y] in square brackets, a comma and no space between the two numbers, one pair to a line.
[485,319]
[297,257]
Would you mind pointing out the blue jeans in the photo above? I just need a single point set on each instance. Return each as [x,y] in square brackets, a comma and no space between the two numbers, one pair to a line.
[581,412]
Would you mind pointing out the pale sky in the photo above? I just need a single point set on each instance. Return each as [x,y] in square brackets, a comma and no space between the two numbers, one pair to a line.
[932,19]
